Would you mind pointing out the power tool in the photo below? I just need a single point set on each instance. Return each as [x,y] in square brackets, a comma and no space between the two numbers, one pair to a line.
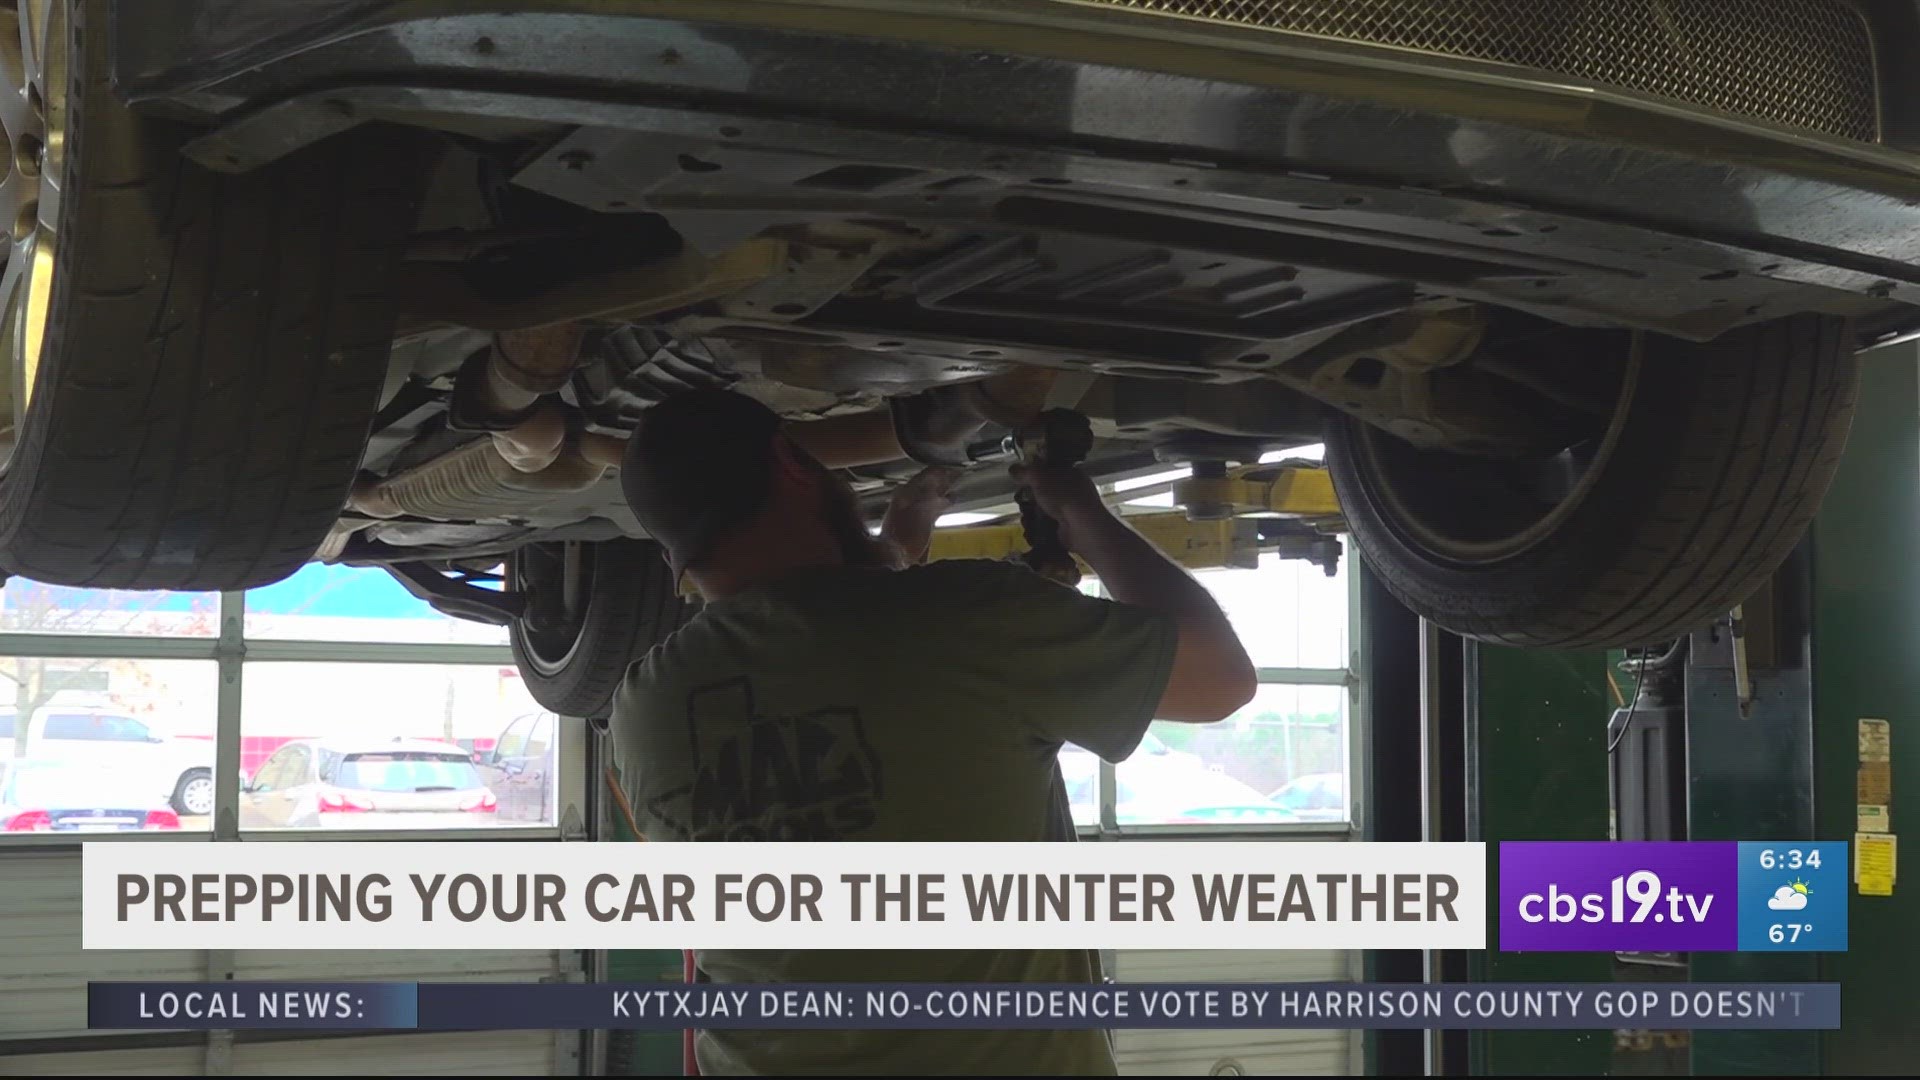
[1055,437]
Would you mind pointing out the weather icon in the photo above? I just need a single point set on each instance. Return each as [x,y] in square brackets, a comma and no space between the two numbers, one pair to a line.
[1789,897]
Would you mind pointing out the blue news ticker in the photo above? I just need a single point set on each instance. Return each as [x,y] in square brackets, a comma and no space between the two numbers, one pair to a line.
[373,1006]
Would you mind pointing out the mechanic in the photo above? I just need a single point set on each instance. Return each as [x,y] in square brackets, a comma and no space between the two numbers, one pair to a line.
[833,689]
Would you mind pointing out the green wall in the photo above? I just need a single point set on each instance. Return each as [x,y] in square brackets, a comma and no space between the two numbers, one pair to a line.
[1542,755]
[1866,631]
[642,1053]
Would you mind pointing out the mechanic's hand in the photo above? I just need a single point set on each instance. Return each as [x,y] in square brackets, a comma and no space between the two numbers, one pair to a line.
[1068,496]
[913,509]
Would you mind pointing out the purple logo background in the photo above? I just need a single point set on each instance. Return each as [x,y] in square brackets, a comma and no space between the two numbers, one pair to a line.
[1579,868]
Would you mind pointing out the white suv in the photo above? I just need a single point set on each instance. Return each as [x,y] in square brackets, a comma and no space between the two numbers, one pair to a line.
[181,769]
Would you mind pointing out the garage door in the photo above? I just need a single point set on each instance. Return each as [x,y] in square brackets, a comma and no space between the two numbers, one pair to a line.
[1278,770]
[334,661]
[466,1054]
[1154,1052]
[44,972]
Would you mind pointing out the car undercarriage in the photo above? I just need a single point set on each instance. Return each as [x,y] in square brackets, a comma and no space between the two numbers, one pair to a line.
[1527,278]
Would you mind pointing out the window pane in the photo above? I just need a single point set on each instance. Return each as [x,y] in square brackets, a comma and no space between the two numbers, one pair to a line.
[543,734]
[412,746]
[514,739]
[28,607]
[1288,612]
[105,746]
[1080,770]
[1280,759]
[354,603]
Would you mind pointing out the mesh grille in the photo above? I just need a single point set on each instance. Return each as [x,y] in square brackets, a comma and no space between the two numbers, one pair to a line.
[1802,63]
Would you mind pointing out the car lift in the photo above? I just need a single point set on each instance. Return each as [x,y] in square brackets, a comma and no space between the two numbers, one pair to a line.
[1229,519]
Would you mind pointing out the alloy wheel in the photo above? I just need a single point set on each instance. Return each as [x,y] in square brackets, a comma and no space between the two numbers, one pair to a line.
[33,113]
[197,796]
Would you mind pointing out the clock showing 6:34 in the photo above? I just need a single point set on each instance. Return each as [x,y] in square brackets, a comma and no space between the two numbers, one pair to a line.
[1793,896]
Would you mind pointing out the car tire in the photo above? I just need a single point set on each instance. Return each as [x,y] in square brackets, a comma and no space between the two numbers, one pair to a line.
[1712,467]
[573,653]
[193,795]
[213,350]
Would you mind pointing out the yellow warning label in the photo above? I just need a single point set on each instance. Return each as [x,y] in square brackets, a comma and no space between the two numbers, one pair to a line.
[1874,863]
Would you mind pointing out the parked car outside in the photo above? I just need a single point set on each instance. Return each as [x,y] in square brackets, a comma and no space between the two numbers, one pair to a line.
[520,768]
[367,784]
[179,772]
[1315,797]
[1260,813]
[70,796]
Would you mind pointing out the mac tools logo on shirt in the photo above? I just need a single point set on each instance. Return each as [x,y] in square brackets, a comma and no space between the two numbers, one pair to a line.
[804,777]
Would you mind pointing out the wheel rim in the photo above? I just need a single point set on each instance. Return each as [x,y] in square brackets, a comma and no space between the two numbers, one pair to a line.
[33,119]
[1470,510]
[197,796]
[550,633]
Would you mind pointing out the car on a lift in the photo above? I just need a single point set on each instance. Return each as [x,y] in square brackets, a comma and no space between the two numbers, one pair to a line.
[1572,289]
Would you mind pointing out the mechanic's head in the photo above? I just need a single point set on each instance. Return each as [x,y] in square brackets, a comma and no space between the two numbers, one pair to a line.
[734,502]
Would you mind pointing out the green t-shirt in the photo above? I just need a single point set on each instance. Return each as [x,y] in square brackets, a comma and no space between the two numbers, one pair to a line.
[926,704]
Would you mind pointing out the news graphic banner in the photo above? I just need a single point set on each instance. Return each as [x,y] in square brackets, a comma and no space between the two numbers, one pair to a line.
[927,1006]
[508,895]
[1692,896]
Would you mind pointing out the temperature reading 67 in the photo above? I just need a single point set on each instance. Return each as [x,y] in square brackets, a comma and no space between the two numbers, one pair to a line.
[1788,932]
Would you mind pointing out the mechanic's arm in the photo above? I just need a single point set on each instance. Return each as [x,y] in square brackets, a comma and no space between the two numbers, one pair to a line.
[915,506]
[1211,676]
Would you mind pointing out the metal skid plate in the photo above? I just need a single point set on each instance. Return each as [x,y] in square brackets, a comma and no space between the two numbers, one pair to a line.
[1126,268]
[1577,202]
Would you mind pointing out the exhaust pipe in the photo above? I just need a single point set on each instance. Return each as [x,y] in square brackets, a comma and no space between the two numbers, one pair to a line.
[485,478]
[532,463]
[526,365]
[934,427]
[534,443]
[838,442]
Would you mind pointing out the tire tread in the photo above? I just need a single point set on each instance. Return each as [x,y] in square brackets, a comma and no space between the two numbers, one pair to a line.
[1728,472]
[214,354]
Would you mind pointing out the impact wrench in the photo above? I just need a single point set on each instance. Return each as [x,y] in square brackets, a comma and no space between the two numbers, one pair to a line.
[1055,437]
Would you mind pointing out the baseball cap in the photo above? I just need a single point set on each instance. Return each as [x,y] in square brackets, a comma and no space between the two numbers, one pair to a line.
[699,465]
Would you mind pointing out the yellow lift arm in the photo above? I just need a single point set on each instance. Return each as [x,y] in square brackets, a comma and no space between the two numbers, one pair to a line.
[1289,509]
[1298,517]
